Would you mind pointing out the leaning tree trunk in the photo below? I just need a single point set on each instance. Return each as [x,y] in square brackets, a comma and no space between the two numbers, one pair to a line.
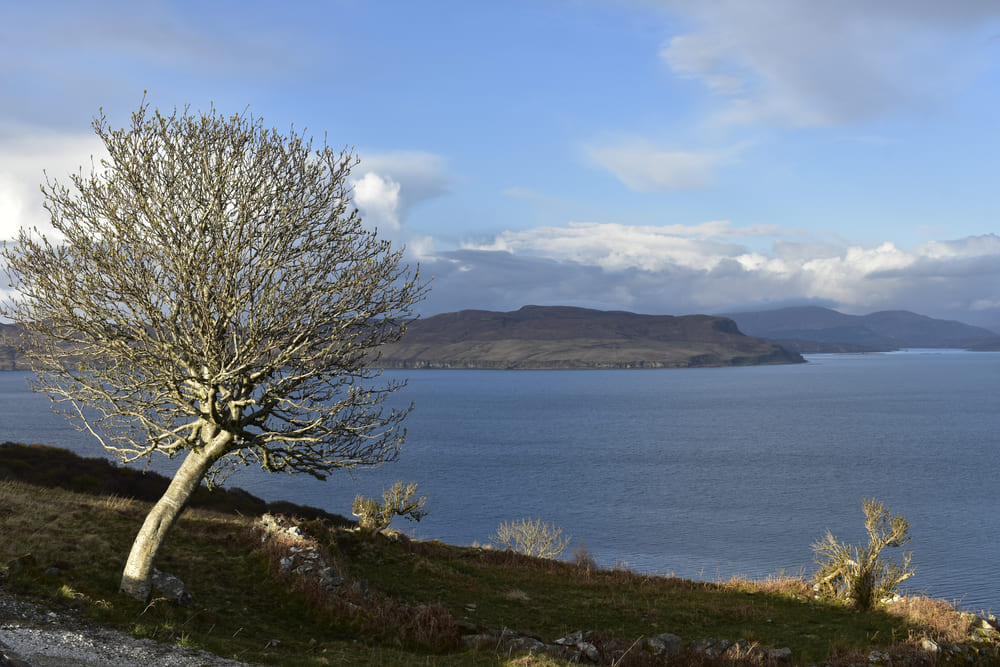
[137,577]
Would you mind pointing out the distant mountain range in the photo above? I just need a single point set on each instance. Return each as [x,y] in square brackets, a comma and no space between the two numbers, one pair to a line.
[814,329]
[541,337]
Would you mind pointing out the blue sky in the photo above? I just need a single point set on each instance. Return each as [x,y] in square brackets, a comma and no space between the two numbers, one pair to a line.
[648,155]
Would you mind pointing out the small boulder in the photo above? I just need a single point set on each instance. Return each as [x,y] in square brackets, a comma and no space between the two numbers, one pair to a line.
[783,653]
[718,648]
[930,645]
[172,588]
[702,645]
[521,644]
[877,657]
[571,639]
[667,643]
[589,651]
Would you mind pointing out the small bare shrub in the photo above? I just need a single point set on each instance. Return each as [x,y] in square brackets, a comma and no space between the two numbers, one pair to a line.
[859,573]
[531,537]
[398,500]
[583,557]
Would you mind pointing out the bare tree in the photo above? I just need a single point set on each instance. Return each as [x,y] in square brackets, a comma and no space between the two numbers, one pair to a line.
[212,293]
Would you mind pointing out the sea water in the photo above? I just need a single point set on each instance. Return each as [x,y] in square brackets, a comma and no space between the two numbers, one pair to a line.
[702,473]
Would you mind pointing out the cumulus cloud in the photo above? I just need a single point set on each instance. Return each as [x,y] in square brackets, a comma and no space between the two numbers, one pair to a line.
[794,63]
[677,270]
[378,199]
[388,185]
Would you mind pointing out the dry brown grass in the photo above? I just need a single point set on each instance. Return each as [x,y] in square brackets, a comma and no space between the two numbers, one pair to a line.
[116,503]
[515,594]
[772,584]
[427,626]
[942,621]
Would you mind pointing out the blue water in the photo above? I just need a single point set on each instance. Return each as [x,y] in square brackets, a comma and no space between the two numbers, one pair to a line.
[703,473]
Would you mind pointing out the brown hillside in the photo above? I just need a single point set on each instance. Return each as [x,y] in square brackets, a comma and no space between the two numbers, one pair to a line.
[561,337]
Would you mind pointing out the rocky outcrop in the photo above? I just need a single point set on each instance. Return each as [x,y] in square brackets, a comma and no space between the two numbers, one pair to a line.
[297,554]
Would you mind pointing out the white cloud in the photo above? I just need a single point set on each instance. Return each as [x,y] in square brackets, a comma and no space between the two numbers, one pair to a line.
[787,62]
[421,247]
[378,199]
[24,154]
[421,175]
[388,185]
[684,269]
[616,247]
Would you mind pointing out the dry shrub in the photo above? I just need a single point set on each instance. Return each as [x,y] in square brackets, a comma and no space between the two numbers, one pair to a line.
[531,537]
[583,557]
[859,573]
[398,500]
[426,626]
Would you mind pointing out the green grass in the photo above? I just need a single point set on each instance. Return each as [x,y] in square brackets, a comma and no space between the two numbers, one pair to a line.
[421,593]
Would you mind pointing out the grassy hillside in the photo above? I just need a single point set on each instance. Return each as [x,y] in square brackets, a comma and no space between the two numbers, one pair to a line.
[404,602]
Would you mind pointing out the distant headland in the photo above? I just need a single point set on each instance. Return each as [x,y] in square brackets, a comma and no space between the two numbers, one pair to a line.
[561,337]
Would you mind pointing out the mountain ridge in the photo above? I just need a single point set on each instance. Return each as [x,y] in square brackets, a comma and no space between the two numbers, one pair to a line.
[818,329]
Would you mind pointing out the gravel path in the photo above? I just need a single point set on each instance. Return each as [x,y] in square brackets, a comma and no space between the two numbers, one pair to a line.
[33,636]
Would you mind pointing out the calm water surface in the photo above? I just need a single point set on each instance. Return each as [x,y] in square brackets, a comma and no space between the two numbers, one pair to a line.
[704,473]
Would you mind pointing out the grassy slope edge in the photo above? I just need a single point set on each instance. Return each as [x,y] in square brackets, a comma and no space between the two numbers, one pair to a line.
[246,608]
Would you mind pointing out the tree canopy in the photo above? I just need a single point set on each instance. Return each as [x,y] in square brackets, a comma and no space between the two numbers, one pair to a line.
[210,290]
